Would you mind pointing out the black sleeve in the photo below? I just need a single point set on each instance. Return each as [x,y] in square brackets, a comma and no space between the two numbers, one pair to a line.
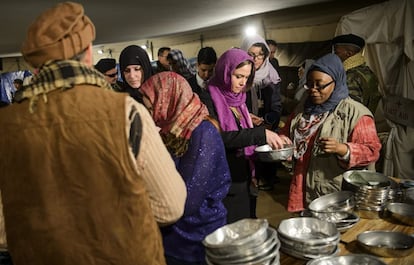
[276,100]
[135,132]
[244,137]
[272,117]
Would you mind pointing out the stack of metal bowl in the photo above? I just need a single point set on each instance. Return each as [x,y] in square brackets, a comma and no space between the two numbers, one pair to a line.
[336,207]
[371,191]
[308,238]
[247,242]
[351,259]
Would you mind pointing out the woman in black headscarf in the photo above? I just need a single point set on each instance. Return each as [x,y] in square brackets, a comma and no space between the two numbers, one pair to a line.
[135,69]
[332,133]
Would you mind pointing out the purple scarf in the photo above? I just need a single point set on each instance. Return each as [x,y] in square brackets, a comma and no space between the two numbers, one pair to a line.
[222,96]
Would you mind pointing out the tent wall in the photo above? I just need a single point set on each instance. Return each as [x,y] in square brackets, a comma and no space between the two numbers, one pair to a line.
[388,29]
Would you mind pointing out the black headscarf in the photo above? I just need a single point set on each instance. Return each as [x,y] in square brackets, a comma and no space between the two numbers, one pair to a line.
[331,65]
[134,55]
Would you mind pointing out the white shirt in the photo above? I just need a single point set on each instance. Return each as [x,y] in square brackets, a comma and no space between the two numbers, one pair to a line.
[200,82]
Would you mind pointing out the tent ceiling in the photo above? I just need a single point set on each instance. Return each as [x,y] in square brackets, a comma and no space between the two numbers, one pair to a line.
[126,20]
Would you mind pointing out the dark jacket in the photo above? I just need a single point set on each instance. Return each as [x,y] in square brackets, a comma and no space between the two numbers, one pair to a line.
[234,142]
[272,107]
[203,94]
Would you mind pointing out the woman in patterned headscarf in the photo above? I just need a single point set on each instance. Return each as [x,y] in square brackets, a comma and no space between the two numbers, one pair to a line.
[234,73]
[180,64]
[198,151]
[332,134]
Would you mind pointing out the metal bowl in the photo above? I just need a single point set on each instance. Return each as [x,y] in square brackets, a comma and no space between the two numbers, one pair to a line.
[325,248]
[352,259]
[408,195]
[264,257]
[386,243]
[245,254]
[311,230]
[365,179]
[307,256]
[237,236]
[334,206]
[335,201]
[265,153]
[344,224]
[403,212]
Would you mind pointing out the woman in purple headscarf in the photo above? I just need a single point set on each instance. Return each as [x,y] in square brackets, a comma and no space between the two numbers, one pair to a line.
[332,134]
[234,73]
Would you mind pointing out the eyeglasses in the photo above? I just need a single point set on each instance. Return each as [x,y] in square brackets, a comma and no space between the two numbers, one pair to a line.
[257,56]
[112,75]
[319,88]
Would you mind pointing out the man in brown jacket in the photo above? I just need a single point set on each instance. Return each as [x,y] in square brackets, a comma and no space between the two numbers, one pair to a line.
[85,176]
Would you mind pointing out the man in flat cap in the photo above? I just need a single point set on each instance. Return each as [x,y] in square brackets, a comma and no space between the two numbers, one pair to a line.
[361,80]
[107,66]
[85,174]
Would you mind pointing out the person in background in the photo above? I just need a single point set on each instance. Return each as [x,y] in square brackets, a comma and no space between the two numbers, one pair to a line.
[180,64]
[18,83]
[135,68]
[302,73]
[86,175]
[273,48]
[107,66]
[163,64]
[233,74]
[361,80]
[332,133]
[206,60]
[265,102]
[198,151]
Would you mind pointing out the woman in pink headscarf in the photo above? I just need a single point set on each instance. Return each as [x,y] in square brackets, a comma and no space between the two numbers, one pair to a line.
[234,73]
[198,152]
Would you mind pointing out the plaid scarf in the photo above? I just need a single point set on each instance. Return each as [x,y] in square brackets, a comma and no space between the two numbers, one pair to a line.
[62,75]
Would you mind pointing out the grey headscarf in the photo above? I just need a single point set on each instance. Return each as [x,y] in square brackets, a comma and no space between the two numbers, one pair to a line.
[266,74]
[331,65]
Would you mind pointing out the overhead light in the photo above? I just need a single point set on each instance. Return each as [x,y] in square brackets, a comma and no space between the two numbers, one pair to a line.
[250,31]
[100,51]
[144,46]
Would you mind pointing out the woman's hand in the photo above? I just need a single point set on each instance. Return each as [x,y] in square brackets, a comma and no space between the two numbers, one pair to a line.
[276,141]
[257,121]
[330,145]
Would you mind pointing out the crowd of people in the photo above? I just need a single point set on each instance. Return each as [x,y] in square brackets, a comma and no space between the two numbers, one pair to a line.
[140,169]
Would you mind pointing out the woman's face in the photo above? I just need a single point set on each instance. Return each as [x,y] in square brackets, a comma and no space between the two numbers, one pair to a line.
[239,78]
[319,86]
[258,56]
[133,75]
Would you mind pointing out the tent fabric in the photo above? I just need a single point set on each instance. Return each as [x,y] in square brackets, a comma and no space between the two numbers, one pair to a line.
[388,29]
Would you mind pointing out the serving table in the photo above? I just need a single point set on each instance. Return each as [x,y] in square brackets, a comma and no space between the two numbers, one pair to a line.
[349,244]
